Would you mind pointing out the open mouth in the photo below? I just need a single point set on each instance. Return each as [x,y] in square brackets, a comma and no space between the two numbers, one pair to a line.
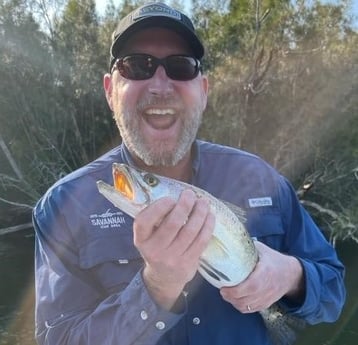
[160,112]
[160,119]
[122,183]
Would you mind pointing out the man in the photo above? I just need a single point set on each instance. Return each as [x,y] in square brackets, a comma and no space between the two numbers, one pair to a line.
[102,278]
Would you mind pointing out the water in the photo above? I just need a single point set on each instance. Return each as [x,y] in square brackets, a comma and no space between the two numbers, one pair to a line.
[16,289]
[345,330]
[17,296]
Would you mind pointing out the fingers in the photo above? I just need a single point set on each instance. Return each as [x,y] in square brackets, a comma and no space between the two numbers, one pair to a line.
[193,236]
[176,225]
[203,237]
[245,304]
[249,295]
[266,284]
[179,225]
[171,236]
[150,218]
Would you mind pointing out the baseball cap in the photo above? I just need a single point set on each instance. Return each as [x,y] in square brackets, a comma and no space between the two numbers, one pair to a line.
[155,14]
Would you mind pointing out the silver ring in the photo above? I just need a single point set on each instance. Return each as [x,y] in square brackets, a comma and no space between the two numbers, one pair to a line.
[248,307]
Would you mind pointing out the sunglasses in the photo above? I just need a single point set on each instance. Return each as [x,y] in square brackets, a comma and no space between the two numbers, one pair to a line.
[143,66]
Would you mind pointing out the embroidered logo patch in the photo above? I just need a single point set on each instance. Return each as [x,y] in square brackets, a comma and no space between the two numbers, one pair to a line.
[260,202]
[108,219]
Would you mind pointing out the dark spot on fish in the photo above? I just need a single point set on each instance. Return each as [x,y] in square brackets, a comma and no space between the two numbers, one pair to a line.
[213,272]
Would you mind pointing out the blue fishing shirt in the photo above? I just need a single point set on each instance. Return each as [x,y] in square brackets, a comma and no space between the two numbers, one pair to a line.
[89,288]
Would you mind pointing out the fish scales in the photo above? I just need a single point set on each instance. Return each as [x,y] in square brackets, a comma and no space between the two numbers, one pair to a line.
[230,255]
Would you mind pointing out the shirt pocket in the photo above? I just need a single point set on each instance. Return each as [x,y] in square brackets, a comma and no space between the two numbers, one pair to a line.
[266,225]
[112,260]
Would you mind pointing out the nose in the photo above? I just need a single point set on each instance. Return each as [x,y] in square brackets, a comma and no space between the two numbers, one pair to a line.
[160,83]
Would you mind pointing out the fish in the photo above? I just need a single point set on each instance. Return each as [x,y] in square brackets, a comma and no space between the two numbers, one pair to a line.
[230,255]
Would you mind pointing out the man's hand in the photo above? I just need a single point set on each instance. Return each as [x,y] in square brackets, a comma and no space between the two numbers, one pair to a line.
[171,237]
[275,275]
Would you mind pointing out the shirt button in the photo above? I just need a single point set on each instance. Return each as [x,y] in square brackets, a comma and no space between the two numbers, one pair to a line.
[196,321]
[144,315]
[160,325]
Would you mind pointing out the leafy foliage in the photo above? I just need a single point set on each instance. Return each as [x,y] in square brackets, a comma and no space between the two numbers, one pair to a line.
[287,96]
[283,85]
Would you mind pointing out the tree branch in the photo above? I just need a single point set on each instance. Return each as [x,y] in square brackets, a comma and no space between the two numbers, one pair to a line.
[18,204]
[10,158]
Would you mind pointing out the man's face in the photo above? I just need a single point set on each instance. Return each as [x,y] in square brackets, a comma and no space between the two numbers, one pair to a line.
[158,118]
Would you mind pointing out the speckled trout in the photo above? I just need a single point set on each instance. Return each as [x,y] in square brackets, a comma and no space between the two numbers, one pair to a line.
[231,254]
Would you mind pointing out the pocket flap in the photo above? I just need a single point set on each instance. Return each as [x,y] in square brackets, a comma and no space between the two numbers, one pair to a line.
[264,223]
[112,248]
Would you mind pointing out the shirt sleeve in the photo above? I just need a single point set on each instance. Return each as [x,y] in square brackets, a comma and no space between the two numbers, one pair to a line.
[72,309]
[323,272]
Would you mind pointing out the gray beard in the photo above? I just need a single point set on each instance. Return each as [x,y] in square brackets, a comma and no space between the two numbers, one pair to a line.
[127,123]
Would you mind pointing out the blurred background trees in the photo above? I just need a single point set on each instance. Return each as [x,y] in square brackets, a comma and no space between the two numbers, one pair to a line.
[283,81]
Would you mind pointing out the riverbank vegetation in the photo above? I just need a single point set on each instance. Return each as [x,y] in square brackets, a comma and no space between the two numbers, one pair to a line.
[283,81]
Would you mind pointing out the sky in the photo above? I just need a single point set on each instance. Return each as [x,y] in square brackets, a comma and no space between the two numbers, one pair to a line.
[101,5]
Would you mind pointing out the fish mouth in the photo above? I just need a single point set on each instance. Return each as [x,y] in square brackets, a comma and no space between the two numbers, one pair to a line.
[123,181]
[127,183]
[126,193]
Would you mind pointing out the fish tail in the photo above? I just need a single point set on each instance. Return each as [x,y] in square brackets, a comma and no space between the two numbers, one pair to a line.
[282,327]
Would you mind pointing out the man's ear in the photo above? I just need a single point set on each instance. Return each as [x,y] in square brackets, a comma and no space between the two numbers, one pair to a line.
[108,88]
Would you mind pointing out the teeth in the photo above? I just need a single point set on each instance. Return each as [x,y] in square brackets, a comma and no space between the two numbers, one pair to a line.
[160,112]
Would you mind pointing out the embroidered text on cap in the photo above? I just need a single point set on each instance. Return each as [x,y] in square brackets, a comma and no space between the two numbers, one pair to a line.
[156,10]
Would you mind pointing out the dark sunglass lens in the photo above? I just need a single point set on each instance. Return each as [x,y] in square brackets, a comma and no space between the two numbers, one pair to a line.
[182,67]
[138,67]
[142,66]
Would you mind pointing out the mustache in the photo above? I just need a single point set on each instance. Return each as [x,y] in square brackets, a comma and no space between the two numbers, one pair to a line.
[164,101]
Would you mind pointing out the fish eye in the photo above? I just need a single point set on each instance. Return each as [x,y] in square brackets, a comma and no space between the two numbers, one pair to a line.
[151,180]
